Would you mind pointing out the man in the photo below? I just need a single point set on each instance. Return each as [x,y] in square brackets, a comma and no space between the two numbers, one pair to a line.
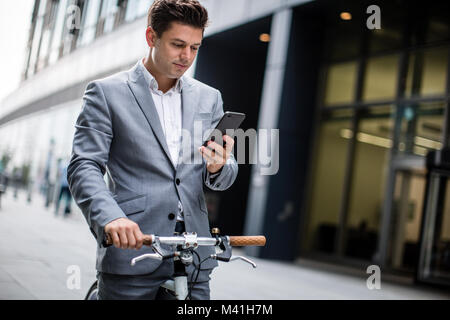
[64,191]
[130,127]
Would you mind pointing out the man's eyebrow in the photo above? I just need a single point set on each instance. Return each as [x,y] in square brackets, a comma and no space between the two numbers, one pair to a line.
[176,39]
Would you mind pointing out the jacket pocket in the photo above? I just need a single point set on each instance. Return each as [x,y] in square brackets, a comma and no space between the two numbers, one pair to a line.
[134,205]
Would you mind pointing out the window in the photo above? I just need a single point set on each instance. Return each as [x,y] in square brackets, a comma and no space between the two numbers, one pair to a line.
[380,80]
[370,168]
[328,181]
[421,127]
[427,72]
[340,84]
[57,36]
[48,32]
[37,38]
[137,9]
[108,14]
[90,19]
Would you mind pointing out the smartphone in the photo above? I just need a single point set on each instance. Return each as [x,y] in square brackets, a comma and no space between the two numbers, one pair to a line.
[229,120]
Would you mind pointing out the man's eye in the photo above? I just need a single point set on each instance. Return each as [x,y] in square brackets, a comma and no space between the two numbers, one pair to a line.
[178,45]
[194,48]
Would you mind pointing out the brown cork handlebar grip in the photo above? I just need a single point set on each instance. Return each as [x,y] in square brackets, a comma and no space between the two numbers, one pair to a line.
[148,240]
[242,241]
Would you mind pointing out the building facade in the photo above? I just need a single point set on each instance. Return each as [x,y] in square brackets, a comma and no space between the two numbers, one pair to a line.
[357,107]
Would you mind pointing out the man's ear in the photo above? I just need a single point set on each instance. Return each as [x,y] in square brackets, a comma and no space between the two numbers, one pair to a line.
[150,36]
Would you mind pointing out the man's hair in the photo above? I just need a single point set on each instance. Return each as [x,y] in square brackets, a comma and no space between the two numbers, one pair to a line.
[189,12]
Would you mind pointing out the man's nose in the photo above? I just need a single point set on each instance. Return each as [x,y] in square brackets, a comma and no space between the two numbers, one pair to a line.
[186,54]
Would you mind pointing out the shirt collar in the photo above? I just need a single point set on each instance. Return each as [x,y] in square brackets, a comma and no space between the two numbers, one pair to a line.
[151,81]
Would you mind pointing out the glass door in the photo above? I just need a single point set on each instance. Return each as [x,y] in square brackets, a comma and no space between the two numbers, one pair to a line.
[434,266]
[418,130]
[407,206]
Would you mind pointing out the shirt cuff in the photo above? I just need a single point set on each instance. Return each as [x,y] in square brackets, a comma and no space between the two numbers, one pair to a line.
[212,176]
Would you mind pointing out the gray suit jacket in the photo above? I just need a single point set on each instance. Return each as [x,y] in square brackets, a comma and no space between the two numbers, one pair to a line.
[118,132]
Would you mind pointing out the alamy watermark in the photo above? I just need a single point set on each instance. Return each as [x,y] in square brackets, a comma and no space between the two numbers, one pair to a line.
[374,280]
[73,19]
[263,146]
[374,20]
[73,281]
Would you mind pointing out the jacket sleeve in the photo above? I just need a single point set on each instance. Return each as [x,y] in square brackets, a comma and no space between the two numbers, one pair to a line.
[229,171]
[90,153]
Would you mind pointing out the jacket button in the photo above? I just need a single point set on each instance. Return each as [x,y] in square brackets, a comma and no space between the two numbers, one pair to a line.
[177,182]
[171,216]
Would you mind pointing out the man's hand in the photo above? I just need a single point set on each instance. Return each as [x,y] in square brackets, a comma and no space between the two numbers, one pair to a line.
[125,234]
[215,155]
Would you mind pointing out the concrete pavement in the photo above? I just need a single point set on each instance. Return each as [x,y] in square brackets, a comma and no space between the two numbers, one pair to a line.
[39,253]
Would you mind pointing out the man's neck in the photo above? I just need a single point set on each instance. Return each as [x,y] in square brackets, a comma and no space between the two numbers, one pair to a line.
[164,83]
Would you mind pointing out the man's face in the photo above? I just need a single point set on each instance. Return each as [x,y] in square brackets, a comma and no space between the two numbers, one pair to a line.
[174,52]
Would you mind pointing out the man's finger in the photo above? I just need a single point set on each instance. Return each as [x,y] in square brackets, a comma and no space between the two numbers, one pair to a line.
[123,239]
[207,155]
[217,148]
[131,239]
[115,239]
[212,157]
[229,144]
[139,238]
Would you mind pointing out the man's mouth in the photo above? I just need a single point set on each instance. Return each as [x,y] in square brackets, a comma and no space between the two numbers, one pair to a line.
[180,65]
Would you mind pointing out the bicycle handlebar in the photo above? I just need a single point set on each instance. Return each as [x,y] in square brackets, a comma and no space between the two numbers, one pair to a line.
[235,241]
[189,241]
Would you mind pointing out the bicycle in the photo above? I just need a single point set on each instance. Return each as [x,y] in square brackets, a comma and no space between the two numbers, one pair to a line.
[183,254]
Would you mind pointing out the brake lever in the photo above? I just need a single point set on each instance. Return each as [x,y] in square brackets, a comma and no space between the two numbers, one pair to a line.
[234,258]
[155,256]
[159,254]
[226,254]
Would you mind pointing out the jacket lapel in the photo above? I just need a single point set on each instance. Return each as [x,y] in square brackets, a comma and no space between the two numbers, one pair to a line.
[189,100]
[141,92]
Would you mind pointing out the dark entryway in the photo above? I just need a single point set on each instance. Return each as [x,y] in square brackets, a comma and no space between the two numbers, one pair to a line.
[233,61]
